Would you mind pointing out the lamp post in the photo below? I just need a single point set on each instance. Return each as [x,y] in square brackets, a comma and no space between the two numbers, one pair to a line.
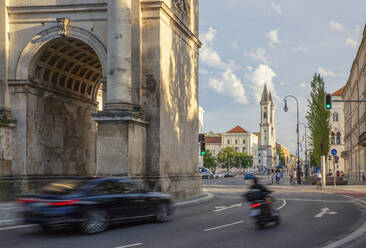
[297,131]
[306,153]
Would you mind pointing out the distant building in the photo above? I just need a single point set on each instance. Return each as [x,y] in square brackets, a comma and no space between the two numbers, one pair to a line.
[242,141]
[285,152]
[336,122]
[355,116]
[213,144]
[267,141]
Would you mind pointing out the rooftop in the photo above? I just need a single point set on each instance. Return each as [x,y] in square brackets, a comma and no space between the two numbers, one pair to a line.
[237,129]
[213,139]
[338,92]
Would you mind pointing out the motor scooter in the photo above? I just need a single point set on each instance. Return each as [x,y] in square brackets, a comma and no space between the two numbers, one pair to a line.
[260,210]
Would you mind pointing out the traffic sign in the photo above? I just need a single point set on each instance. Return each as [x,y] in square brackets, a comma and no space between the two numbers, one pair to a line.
[334,152]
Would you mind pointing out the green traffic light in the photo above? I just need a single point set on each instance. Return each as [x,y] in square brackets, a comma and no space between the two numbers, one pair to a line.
[328,106]
[203,153]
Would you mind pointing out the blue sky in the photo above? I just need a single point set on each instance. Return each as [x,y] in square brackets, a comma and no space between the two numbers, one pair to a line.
[281,43]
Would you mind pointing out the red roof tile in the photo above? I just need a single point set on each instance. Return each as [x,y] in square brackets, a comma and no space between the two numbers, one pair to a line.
[237,129]
[213,139]
[338,92]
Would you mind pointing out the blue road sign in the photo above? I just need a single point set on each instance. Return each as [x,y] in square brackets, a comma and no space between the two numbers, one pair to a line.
[334,152]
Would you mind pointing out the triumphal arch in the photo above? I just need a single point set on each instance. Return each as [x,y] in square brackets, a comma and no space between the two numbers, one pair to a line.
[99,87]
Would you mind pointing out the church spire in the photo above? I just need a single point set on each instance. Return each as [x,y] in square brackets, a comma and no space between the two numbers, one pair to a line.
[270,97]
[264,95]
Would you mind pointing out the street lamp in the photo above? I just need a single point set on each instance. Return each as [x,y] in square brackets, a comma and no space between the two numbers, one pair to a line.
[297,131]
[306,153]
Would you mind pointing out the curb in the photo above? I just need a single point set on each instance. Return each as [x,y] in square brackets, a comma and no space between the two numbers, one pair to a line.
[204,198]
[353,237]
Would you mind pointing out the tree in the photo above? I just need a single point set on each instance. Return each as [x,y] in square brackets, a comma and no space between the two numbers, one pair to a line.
[243,160]
[227,156]
[209,160]
[318,118]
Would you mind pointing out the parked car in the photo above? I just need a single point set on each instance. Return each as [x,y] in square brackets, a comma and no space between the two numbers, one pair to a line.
[219,175]
[94,204]
[207,175]
[248,175]
[229,174]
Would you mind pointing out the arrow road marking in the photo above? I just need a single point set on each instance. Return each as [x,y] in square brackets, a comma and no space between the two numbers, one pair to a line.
[325,211]
[222,208]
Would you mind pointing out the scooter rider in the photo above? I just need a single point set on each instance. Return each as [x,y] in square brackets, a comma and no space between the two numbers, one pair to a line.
[265,192]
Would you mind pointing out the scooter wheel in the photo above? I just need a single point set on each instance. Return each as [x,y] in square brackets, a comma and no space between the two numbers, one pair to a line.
[278,220]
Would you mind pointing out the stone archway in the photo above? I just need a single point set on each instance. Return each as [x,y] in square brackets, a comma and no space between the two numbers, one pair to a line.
[64,80]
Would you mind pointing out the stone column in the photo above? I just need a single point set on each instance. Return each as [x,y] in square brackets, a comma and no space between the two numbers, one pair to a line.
[4,60]
[121,139]
[119,76]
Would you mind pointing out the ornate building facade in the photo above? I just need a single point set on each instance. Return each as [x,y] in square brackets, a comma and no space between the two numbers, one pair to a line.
[267,141]
[54,58]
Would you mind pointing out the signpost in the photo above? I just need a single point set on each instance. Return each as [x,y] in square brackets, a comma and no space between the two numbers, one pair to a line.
[334,153]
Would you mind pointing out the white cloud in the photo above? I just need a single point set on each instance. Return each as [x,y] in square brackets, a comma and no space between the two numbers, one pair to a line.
[250,68]
[282,83]
[336,26]
[235,45]
[300,49]
[351,42]
[262,75]
[229,85]
[209,55]
[325,72]
[209,36]
[272,35]
[258,55]
[303,85]
[276,8]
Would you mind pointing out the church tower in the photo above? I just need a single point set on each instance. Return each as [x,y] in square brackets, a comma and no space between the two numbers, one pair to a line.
[267,144]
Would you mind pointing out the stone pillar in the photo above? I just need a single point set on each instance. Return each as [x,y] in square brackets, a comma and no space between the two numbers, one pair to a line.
[121,138]
[4,60]
[119,76]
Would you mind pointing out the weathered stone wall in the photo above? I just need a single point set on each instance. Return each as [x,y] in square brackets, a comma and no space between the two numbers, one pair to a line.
[170,98]
[6,147]
[56,132]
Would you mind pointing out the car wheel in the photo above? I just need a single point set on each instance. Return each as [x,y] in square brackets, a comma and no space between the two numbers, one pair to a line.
[163,214]
[95,221]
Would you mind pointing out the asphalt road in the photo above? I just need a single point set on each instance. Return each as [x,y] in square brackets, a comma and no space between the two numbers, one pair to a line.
[222,222]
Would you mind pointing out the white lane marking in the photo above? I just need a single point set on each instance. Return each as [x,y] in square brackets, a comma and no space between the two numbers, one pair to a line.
[283,204]
[16,227]
[229,197]
[131,245]
[324,211]
[223,226]
[222,208]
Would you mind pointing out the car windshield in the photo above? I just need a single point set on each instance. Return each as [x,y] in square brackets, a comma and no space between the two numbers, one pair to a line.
[62,187]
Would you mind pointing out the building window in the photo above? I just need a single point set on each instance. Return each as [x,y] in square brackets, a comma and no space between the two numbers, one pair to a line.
[228,142]
[335,116]
[265,115]
[332,138]
[338,138]
[236,148]
[243,149]
[259,161]
[243,141]
[236,142]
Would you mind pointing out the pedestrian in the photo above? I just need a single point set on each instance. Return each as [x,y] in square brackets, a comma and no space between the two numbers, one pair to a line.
[273,175]
[278,177]
[291,177]
[318,181]
[338,173]
[342,174]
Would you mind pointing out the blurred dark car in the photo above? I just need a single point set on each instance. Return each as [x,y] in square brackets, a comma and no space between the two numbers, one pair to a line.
[94,204]
[229,174]
[207,175]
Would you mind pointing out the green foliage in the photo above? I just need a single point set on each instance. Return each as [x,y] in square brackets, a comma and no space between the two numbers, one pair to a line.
[318,118]
[209,160]
[229,157]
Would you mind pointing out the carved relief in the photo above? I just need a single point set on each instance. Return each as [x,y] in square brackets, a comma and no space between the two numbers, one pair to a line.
[182,5]
[63,23]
